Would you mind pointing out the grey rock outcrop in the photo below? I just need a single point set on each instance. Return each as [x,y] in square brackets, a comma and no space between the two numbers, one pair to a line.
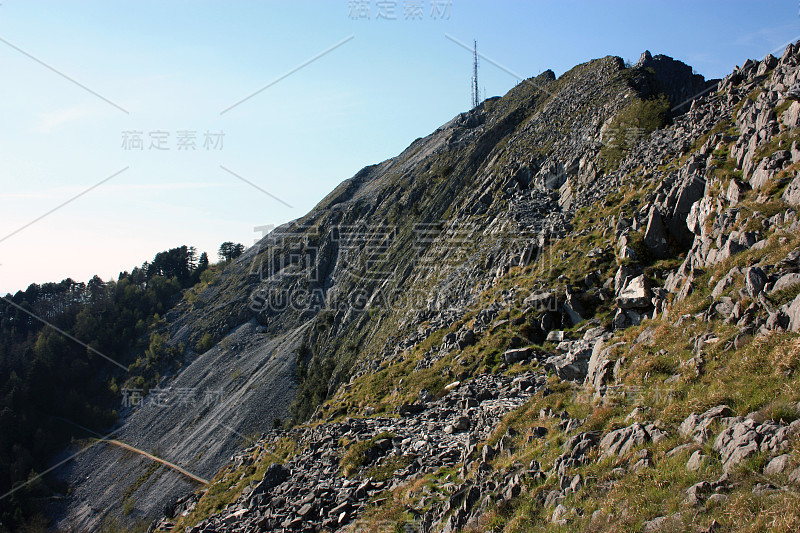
[600,370]
[572,361]
[786,281]
[698,427]
[674,78]
[754,279]
[622,441]
[792,193]
[747,437]
[655,236]
[793,312]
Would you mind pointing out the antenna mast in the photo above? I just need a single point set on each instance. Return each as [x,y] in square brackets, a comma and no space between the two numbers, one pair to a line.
[475,94]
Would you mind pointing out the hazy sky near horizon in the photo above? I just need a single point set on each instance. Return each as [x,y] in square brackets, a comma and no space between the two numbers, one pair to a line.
[131,106]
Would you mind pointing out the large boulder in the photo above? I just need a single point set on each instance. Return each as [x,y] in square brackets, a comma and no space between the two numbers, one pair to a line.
[625,318]
[516,355]
[777,465]
[275,475]
[786,281]
[573,361]
[762,174]
[792,310]
[794,92]
[377,450]
[636,294]
[736,191]
[551,177]
[573,309]
[791,117]
[699,213]
[768,167]
[600,370]
[754,281]
[792,193]
[679,205]
[655,237]
[623,276]
[725,283]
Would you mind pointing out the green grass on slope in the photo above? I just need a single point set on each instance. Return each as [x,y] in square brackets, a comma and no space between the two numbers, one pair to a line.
[762,377]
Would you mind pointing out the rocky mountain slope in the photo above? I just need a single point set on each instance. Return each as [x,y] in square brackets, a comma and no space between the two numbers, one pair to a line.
[557,310]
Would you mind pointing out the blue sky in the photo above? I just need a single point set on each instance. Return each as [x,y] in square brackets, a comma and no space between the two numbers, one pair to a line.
[174,66]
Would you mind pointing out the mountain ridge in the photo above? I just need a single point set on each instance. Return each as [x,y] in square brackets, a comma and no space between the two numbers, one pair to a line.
[497,189]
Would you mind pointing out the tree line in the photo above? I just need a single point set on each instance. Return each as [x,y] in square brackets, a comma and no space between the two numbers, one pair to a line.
[50,385]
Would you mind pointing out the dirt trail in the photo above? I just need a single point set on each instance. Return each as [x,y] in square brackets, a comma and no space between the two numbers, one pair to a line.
[156,459]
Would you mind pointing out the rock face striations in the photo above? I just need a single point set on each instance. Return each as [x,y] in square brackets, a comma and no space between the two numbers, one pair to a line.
[497,262]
